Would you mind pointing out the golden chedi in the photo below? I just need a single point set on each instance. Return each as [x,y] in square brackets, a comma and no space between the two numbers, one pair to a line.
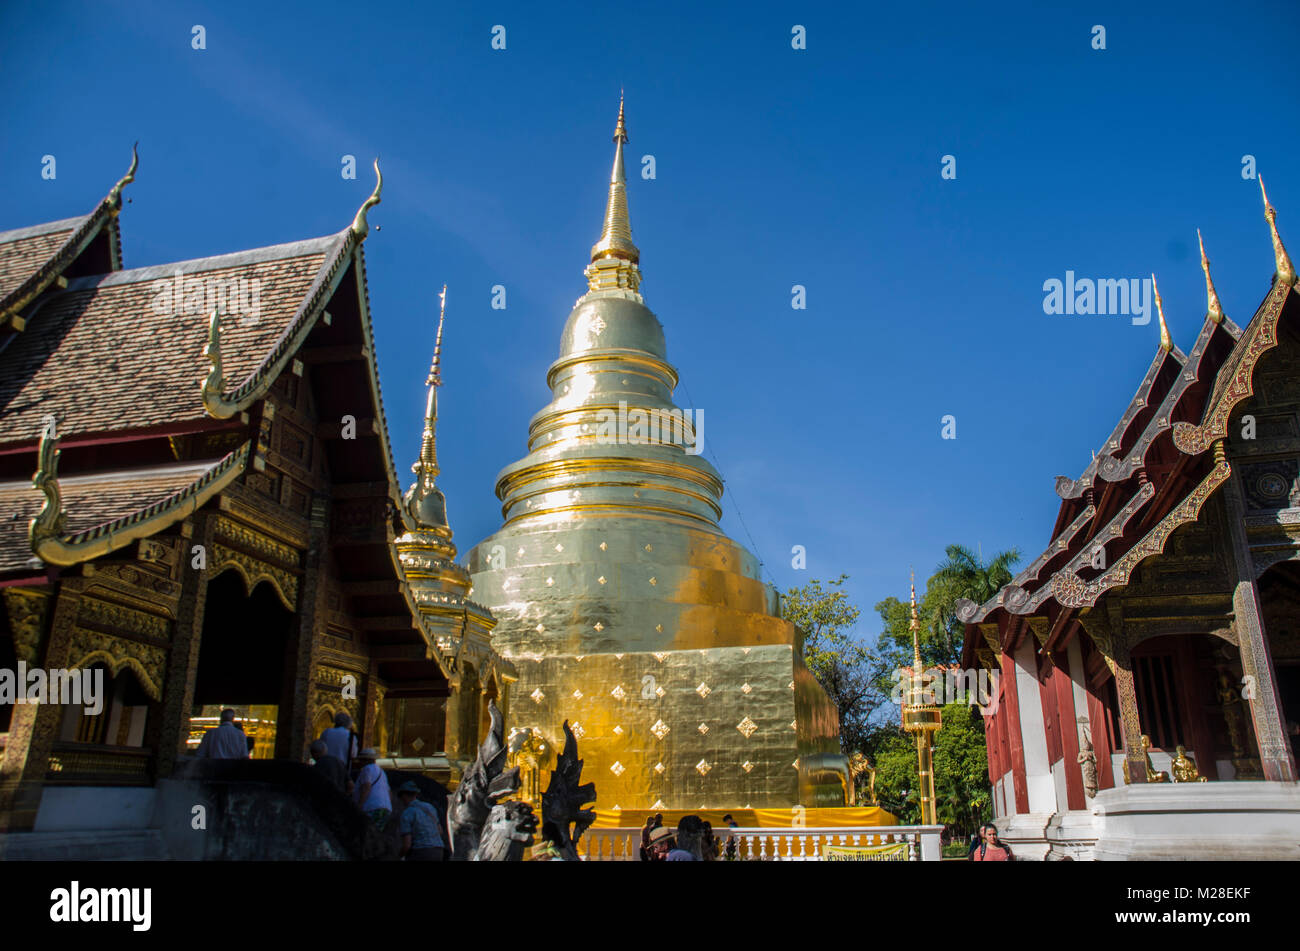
[624,607]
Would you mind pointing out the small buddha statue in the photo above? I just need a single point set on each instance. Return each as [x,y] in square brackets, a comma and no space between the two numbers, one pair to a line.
[1152,775]
[1184,768]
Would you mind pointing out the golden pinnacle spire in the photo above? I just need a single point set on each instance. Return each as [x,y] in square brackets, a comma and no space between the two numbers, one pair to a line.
[427,464]
[435,376]
[914,625]
[1166,342]
[616,238]
[1285,272]
[1214,308]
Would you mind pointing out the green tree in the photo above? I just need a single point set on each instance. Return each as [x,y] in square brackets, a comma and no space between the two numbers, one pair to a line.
[844,666]
[963,797]
[962,574]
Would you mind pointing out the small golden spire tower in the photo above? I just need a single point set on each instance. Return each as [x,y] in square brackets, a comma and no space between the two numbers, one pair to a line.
[923,719]
[460,628]
[614,257]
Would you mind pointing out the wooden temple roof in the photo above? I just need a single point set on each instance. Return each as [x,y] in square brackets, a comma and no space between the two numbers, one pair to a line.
[110,353]
[1153,474]
[155,404]
[34,258]
[102,504]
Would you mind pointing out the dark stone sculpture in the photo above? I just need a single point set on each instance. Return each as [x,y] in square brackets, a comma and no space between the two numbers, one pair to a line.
[564,798]
[483,828]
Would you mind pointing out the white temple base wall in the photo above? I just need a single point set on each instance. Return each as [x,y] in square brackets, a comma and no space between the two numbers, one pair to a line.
[1071,836]
[1236,821]
[1026,834]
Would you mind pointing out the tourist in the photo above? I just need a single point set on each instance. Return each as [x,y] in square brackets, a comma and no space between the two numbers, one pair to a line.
[330,768]
[729,850]
[708,844]
[341,740]
[991,848]
[680,852]
[224,741]
[661,844]
[690,833]
[651,823]
[420,827]
[371,793]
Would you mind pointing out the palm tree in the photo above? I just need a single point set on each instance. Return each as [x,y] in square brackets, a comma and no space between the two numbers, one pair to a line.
[963,575]
[977,579]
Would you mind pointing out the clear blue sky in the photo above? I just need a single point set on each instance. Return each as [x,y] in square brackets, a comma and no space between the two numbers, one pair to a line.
[775,167]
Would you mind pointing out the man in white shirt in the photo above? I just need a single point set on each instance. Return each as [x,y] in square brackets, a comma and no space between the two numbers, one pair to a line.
[225,741]
[371,792]
[340,741]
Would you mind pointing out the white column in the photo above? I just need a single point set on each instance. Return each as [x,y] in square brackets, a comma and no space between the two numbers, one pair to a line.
[1033,732]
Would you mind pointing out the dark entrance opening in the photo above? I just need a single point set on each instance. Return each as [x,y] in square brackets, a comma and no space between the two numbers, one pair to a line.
[242,661]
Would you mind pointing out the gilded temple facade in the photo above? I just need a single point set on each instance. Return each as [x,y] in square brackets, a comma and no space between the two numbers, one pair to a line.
[622,604]
[1149,658]
[215,519]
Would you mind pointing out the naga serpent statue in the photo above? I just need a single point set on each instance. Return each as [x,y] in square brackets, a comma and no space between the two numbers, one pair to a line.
[564,798]
[484,828]
[488,826]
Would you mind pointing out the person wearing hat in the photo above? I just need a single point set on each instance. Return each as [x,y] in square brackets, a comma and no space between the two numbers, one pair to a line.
[661,844]
[371,793]
[420,827]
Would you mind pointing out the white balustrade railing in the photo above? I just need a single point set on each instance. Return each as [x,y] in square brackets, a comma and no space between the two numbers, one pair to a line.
[774,844]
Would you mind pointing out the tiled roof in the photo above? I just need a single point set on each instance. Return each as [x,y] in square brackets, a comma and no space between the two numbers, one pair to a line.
[22,252]
[89,501]
[115,351]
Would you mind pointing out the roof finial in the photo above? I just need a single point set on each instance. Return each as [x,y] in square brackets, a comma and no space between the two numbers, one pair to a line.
[435,377]
[1285,272]
[423,502]
[215,380]
[616,238]
[427,464]
[1215,309]
[359,225]
[49,521]
[115,196]
[1166,342]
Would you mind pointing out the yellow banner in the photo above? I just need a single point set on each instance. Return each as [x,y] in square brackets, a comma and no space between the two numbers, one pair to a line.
[815,818]
[876,853]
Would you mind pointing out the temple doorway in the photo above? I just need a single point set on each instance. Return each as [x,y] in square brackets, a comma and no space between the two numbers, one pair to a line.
[242,662]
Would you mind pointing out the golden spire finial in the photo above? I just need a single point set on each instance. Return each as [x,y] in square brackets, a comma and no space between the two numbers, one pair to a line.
[360,227]
[914,625]
[616,237]
[1214,308]
[1285,272]
[435,376]
[1166,342]
[424,504]
[427,464]
[115,195]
